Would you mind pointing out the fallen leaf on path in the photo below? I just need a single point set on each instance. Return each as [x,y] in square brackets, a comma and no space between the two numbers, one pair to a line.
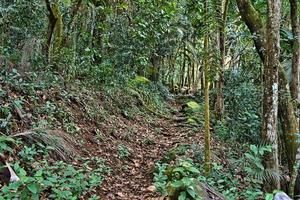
[151,188]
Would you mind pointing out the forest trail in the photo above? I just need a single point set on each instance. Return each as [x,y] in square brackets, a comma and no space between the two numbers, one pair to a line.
[147,140]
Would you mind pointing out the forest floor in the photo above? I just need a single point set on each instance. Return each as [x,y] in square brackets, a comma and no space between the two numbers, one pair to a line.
[132,148]
[131,145]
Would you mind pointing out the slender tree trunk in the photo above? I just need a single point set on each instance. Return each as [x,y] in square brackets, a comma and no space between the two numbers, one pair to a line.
[206,97]
[98,38]
[288,119]
[50,30]
[270,91]
[154,74]
[183,69]
[193,77]
[296,52]
[294,187]
[222,38]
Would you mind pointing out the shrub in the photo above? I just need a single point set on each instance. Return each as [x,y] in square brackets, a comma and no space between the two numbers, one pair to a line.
[242,98]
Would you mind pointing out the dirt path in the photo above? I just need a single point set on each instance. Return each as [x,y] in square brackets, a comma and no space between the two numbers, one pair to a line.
[147,139]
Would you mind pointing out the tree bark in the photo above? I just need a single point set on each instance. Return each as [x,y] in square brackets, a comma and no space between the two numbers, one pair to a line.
[154,69]
[55,30]
[254,23]
[270,91]
[296,51]
[51,25]
[222,38]
[287,118]
[294,187]
[206,97]
[286,111]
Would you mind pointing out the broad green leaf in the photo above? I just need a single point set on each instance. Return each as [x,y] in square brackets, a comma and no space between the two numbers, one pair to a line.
[33,187]
[254,149]
[194,170]
[187,181]
[191,192]
[141,80]
[269,196]
[191,121]
[193,105]
[182,196]
[177,184]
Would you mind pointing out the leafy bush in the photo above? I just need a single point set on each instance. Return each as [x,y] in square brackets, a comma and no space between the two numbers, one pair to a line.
[57,180]
[243,180]
[254,164]
[242,98]
[194,111]
[178,181]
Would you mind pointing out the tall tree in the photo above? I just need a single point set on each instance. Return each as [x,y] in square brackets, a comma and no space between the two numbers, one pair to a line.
[206,95]
[270,89]
[223,9]
[294,87]
[296,51]
[55,29]
[286,110]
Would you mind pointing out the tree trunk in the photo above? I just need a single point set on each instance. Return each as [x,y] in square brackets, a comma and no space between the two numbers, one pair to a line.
[51,25]
[295,95]
[222,39]
[270,91]
[154,69]
[286,111]
[288,119]
[55,32]
[254,23]
[206,97]
[296,52]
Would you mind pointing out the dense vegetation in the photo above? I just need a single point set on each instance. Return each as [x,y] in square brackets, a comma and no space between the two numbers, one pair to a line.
[142,99]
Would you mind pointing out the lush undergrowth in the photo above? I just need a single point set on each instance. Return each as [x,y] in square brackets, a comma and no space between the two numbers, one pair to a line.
[238,171]
[232,176]
[43,119]
[42,126]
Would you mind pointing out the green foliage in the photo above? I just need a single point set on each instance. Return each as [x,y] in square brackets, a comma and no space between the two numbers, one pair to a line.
[178,181]
[53,180]
[254,164]
[6,143]
[123,151]
[194,111]
[174,152]
[241,179]
[160,178]
[115,48]
[270,196]
[226,181]
[242,99]
[141,80]
[193,105]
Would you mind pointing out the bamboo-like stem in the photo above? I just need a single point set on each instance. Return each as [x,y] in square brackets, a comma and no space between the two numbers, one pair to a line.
[206,96]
